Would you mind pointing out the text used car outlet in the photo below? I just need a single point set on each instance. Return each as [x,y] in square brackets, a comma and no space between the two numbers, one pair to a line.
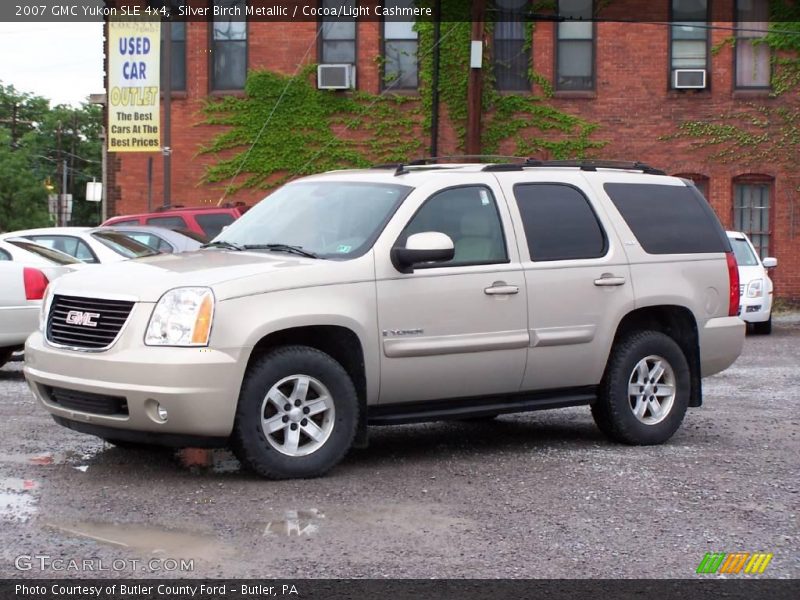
[400,295]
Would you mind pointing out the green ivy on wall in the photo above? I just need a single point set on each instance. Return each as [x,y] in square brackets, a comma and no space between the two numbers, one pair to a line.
[758,132]
[313,130]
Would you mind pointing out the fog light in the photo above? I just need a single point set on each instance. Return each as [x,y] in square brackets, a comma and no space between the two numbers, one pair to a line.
[162,413]
[755,308]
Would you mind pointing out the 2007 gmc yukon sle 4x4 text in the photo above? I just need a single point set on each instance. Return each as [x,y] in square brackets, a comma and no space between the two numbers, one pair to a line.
[398,295]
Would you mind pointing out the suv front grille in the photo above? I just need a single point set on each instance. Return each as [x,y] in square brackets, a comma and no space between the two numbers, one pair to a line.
[98,404]
[741,289]
[91,323]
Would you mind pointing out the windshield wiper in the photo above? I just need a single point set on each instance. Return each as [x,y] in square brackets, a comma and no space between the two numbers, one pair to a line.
[281,248]
[223,244]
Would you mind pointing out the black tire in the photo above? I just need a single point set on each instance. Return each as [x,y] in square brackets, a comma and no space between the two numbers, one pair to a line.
[763,328]
[613,412]
[5,355]
[248,441]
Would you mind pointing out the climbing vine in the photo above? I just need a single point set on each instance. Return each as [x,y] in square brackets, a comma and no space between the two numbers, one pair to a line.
[758,132]
[312,130]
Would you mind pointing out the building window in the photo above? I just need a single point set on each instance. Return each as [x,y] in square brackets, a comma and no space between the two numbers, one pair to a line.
[511,56]
[753,58]
[229,48]
[751,212]
[688,36]
[338,45]
[700,182]
[400,45]
[575,46]
[178,53]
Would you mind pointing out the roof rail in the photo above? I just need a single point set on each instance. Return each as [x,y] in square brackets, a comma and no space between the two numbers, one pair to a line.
[582,164]
[436,160]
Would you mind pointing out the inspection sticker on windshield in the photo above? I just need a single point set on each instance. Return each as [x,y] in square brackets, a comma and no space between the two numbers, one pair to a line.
[344,249]
[484,198]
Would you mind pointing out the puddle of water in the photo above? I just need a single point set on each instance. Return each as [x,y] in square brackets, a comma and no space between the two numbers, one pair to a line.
[205,460]
[18,499]
[49,458]
[145,539]
[295,523]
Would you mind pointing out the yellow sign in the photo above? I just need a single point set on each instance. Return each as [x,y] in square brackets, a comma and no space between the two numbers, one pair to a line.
[134,63]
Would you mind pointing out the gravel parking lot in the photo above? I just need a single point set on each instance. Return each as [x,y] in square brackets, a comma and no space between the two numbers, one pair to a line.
[535,495]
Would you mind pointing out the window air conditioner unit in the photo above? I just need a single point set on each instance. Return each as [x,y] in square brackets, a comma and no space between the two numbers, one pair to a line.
[689,79]
[336,77]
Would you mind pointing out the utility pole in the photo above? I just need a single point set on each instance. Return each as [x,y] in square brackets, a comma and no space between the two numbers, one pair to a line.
[475,82]
[167,91]
[62,166]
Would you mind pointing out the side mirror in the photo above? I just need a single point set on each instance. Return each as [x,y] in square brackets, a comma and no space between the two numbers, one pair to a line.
[770,262]
[425,247]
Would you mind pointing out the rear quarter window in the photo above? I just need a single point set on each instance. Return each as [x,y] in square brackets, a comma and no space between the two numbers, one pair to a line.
[213,223]
[668,219]
[167,222]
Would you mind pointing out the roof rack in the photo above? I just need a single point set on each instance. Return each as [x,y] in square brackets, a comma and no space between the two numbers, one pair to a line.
[436,161]
[582,164]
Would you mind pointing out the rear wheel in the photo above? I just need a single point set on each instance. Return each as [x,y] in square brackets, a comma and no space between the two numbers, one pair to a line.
[297,414]
[645,391]
[763,328]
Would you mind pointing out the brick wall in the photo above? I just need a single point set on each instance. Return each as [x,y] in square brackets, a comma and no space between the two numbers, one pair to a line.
[631,102]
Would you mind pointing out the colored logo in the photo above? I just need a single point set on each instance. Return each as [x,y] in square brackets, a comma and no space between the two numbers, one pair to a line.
[734,562]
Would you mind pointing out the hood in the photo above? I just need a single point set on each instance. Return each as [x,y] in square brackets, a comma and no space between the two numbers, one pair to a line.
[229,273]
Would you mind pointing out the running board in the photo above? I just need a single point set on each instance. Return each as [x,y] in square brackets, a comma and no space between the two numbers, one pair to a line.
[465,408]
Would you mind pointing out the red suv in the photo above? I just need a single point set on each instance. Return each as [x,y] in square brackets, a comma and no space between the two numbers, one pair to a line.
[207,221]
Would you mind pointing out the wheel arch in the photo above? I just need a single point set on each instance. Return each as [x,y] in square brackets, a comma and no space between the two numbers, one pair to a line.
[339,342]
[679,323]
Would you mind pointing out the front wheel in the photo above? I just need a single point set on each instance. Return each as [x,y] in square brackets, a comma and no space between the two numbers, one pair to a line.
[297,414]
[645,390]
[5,355]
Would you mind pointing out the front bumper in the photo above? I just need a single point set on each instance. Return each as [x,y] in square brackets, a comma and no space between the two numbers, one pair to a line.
[755,310]
[721,343]
[198,387]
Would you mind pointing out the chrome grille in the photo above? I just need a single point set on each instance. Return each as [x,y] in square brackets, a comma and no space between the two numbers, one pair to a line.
[741,289]
[91,323]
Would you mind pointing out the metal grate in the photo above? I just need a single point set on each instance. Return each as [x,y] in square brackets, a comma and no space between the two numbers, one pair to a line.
[90,323]
[98,404]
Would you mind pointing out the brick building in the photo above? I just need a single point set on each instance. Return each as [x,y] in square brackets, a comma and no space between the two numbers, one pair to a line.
[648,87]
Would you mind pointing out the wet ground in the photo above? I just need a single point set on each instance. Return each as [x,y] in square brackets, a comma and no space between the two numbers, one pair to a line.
[535,495]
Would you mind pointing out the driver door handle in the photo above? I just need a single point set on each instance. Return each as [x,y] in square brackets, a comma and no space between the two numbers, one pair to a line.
[500,288]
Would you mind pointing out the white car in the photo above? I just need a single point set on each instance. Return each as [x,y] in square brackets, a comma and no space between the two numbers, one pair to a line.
[87,244]
[755,286]
[25,271]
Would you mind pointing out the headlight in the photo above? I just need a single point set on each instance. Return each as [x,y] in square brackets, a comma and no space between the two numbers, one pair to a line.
[182,317]
[45,308]
[755,288]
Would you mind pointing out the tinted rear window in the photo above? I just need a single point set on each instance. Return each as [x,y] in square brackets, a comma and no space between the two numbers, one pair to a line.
[668,219]
[168,222]
[558,222]
[213,223]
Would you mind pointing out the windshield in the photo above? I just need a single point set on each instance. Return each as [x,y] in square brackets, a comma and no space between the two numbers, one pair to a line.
[123,245]
[52,255]
[744,255]
[331,219]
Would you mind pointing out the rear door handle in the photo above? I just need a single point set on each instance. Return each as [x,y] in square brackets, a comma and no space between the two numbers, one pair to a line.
[500,288]
[608,280]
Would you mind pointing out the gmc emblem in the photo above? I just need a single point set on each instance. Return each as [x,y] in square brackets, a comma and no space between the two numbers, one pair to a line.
[85,319]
